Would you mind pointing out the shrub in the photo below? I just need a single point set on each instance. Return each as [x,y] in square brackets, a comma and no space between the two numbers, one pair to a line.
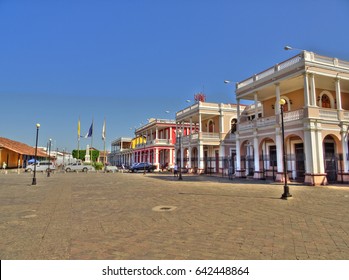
[98,165]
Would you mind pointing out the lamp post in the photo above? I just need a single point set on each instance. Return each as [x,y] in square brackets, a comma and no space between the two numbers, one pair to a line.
[286,193]
[289,48]
[49,158]
[144,162]
[36,152]
[180,154]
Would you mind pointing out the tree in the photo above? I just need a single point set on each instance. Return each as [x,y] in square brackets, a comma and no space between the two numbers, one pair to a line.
[82,154]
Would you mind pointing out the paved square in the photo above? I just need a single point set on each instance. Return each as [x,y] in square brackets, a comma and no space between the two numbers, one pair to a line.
[132,216]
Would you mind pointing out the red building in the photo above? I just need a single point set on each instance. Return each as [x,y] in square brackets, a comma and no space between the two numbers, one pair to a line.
[159,145]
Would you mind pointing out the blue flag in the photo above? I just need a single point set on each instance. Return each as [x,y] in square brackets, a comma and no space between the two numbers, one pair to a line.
[90,131]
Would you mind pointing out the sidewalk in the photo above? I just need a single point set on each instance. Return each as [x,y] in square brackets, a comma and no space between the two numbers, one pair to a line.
[155,216]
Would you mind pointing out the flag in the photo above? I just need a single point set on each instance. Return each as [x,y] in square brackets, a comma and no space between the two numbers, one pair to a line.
[90,131]
[79,129]
[103,131]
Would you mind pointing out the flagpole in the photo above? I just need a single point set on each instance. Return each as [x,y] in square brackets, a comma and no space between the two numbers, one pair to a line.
[92,141]
[105,151]
[104,136]
[78,138]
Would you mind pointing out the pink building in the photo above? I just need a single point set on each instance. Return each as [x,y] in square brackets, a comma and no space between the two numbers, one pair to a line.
[159,145]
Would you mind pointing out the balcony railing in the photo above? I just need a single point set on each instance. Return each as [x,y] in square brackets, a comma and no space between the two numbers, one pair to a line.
[293,115]
[202,136]
[271,121]
[270,71]
[304,56]
[155,142]
[328,114]
[323,114]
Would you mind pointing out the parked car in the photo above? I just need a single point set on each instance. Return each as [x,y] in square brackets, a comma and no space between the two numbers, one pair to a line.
[41,166]
[111,168]
[79,167]
[143,166]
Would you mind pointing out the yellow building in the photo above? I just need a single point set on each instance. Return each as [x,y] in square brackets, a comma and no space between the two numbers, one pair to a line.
[314,91]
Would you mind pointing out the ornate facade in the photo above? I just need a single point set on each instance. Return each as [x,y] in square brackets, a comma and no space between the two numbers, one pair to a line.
[207,136]
[316,121]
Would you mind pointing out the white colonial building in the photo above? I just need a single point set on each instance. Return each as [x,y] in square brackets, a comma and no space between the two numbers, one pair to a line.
[207,136]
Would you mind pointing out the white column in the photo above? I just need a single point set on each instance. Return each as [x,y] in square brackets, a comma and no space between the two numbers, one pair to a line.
[238,110]
[182,152]
[191,125]
[310,155]
[277,94]
[306,90]
[238,154]
[200,125]
[279,158]
[256,154]
[171,156]
[255,105]
[156,156]
[344,141]
[156,133]
[338,94]
[189,157]
[201,156]
[221,123]
[320,150]
[221,154]
[312,90]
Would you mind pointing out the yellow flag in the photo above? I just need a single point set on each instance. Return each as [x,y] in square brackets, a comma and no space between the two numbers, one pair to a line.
[79,128]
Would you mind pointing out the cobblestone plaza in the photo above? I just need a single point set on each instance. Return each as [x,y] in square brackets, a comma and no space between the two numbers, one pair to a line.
[104,216]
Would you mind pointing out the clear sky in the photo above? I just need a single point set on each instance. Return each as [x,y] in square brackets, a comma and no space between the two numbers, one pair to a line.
[130,60]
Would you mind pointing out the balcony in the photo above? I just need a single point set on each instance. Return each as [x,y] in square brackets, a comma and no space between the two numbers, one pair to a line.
[155,142]
[272,120]
[324,115]
[203,136]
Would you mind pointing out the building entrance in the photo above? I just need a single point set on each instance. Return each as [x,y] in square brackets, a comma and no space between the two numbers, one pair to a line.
[330,162]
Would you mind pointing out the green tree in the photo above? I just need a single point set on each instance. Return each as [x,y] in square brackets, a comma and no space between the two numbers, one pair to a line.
[82,153]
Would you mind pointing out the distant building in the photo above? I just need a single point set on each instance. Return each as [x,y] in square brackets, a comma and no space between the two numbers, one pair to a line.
[103,157]
[121,152]
[16,154]
[207,138]
[158,145]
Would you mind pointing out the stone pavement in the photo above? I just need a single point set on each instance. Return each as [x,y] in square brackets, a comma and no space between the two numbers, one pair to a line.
[156,217]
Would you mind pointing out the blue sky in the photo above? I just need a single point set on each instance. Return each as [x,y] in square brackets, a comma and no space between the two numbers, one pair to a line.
[130,60]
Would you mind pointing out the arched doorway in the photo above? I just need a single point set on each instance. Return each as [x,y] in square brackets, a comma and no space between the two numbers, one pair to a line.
[210,126]
[247,158]
[267,156]
[330,158]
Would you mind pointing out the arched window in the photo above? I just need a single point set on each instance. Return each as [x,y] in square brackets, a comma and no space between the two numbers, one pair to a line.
[233,125]
[210,127]
[285,107]
[325,101]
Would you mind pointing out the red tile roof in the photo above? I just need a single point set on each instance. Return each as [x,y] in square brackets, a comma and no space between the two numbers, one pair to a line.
[20,148]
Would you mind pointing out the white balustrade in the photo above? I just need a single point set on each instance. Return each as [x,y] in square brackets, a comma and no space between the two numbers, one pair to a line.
[262,122]
[328,114]
[293,115]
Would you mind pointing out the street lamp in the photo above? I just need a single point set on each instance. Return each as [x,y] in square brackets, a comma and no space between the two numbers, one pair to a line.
[49,158]
[229,82]
[36,152]
[286,193]
[289,48]
[180,154]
